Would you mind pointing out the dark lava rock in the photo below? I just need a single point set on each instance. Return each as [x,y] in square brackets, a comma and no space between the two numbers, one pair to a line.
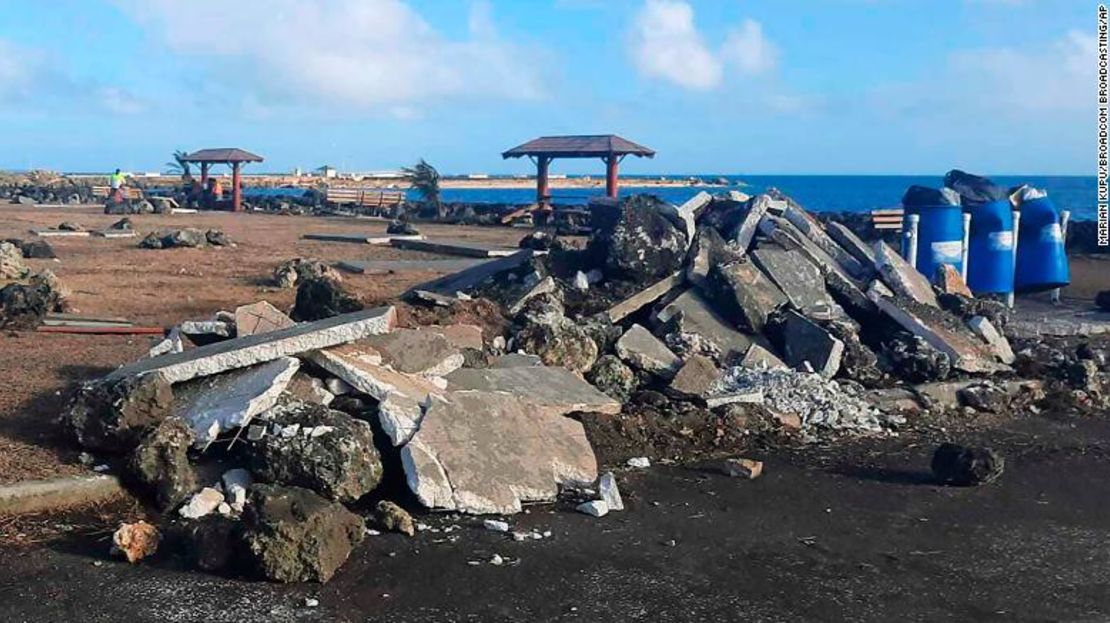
[540,241]
[641,244]
[124,224]
[554,338]
[218,238]
[613,377]
[337,459]
[37,249]
[112,416]
[393,518]
[987,396]
[211,543]
[402,228]
[858,362]
[321,298]
[70,226]
[291,272]
[966,307]
[1084,375]
[912,359]
[965,467]
[188,237]
[1102,299]
[24,305]
[291,534]
[160,463]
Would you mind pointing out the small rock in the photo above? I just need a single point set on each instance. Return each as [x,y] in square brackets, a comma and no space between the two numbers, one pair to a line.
[235,483]
[742,468]
[581,281]
[495,525]
[393,518]
[610,494]
[202,503]
[311,602]
[135,541]
[641,462]
[595,508]
[497,560]
[963,466]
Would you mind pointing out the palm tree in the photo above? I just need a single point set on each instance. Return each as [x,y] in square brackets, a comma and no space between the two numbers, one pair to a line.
[179,165]
[425,179]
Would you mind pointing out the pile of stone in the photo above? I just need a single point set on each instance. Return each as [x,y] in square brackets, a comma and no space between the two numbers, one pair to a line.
[738,300]
[257,436]
[186,237]
[26,296]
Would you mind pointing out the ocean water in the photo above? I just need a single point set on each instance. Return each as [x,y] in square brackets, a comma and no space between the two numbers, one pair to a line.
[818,193]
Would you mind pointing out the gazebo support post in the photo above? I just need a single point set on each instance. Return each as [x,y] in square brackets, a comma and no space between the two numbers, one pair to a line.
[236,188]
[611,162]
[204,175]
[542,192]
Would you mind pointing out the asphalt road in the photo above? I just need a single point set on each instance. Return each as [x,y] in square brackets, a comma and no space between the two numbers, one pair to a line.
[855,533]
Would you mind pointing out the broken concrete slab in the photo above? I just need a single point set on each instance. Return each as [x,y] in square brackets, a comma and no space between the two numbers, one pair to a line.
[745,230]
[546,285]
[488,452]
[689,312]
[260,317]
[851,243]
[254,349]
[686,215]
[450,285]
[217,404]
[902,278]
[375,239]
[998,342]
[695,378]
[555,391]
[642,350]
[746,292]
[459,335]
[963,348]
[416,351]
[806,342]
[760,358]
[732,397]
[516,360]
[384,267]
[799,280]
[645,297]
[950,281]
[812,230]
[60,233]
[448,247]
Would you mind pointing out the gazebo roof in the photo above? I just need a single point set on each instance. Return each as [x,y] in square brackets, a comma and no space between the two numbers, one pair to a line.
[584,146]
[223,154]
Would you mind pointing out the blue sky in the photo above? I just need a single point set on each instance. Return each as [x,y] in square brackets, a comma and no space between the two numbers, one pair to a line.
[715,86]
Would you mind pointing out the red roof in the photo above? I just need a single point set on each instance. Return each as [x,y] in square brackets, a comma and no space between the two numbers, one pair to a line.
[223,154]
[588,146]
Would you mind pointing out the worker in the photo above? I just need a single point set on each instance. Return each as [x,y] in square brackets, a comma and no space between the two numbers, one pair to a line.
[116,181]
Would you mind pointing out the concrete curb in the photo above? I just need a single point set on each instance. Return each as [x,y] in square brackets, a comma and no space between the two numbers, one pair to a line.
[44,495]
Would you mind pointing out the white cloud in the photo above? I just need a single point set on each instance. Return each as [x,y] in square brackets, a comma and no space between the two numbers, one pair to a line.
[749,49]
[32,80]
[344,54]
[665,44]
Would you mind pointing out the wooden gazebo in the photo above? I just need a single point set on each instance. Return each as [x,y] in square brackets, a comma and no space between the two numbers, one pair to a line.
[231,156]
[609,147]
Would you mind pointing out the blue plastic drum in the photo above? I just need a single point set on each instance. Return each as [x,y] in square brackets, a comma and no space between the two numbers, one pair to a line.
[1042,263]
[940,238]
[990,255]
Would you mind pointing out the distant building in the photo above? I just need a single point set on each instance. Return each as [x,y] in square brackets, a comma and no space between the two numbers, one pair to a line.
[328,171]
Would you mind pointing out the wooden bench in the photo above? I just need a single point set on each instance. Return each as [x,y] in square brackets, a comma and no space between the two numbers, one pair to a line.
[368,198]
[887,219]
[102,192]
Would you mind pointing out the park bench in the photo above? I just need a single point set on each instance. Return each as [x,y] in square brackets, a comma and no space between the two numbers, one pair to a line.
[372,200]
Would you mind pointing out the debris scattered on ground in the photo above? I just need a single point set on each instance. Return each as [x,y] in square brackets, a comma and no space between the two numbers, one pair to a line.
[188,237]
[965,467]
[135,541]
[742,468]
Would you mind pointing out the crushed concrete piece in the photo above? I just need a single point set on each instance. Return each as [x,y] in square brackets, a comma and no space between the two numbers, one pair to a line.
[460,335]
[160,463]
[516,360]
[640,462]
[950,281]
[610,494]
[851,243]
[745,230]
[965,351]
[998,342]
[877,288]
[293,535]
[745,292]
[391,517]
[135,541]
[401,396]
[646,296]
[170,344]
[685,216]
[218,404]
[581,282]
[753,397]
[487,452]
[642,350]
[254,349]
[902,278]
[236,482]
[742,468]
[206,331]
[495,525]
[695,378]
[417,351]
[260,317]
[546,285]
[555,391]
[690,313]
[308,389]
[596,508]
[811,229]
[113,414]
[806,341]
[800,281]
[759,357]
[708,249]
[202,503]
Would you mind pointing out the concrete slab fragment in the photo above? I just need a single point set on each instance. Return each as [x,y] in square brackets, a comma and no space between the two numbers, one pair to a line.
[640,349]
[488,452]
[374,238]
[745,230]
[446,265]
[459,335]
[811,229]
[416,351]
[902,278]
[543,286]
[966,351]
[646,296]
[799,279]
[466,279]
[60,233]
[254,349]
[550,390]
[449,247]
[260,317]
[695,378]
[999,344]
[217,404]
[760,358]
[950,281]
[691,313]
[851,243]
[743,289]
[516,360]
[806,342]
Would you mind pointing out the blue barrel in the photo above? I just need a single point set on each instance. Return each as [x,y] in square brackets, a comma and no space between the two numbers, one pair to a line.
[990,253]
[1042,263]
[940,237]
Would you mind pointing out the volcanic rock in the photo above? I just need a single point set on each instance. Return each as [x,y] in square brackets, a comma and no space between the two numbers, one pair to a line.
[320,297]
[962,466]
[113,415]
[160,463]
